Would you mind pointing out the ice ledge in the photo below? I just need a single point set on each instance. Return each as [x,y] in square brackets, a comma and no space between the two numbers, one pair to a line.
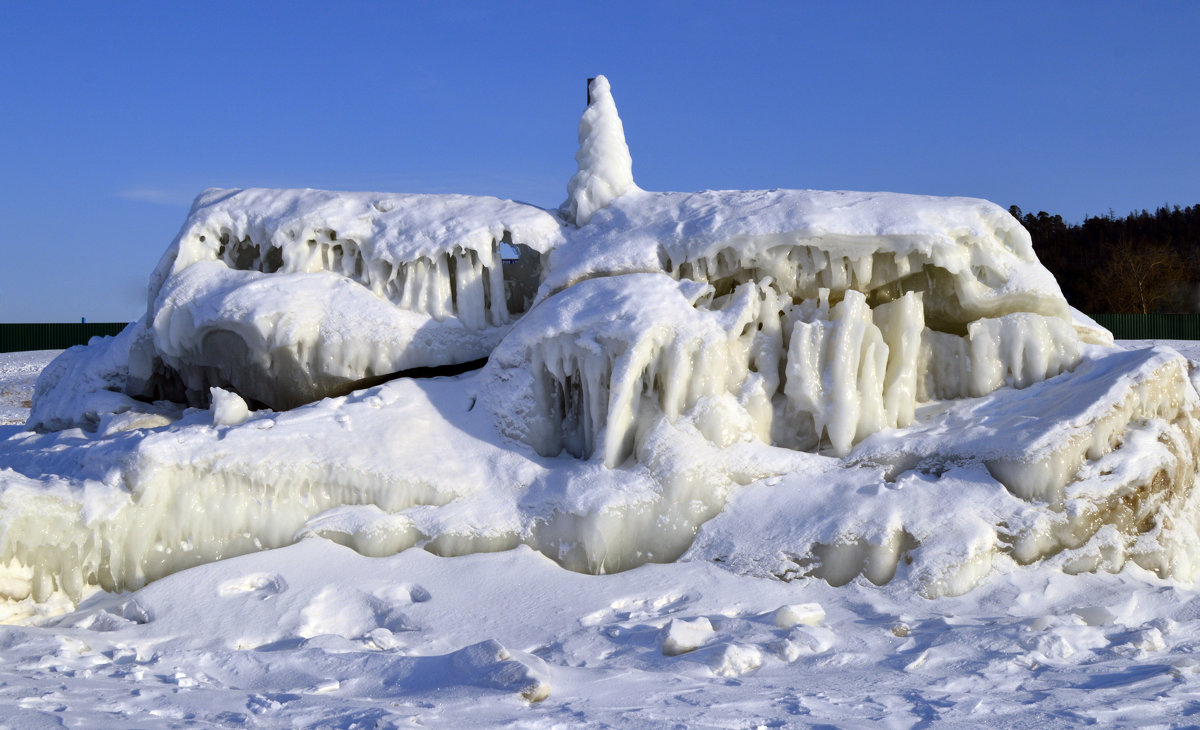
[1034,440]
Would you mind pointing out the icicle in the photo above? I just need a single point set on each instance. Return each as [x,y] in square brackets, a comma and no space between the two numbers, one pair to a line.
[901,322]
[836,370]
[469,295]
[495,290]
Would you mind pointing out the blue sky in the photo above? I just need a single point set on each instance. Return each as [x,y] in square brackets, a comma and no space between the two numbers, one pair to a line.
[114,115]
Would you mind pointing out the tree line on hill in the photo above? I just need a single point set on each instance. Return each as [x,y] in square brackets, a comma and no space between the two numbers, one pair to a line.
[1144,262]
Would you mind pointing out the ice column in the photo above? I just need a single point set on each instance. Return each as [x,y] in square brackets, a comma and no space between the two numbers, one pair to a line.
[605,167]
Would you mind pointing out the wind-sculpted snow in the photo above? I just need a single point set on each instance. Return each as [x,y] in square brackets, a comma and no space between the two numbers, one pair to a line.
[789,383]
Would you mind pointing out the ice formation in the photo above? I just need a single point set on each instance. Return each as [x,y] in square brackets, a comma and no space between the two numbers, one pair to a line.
[659,363]
[288,296]
[605,167]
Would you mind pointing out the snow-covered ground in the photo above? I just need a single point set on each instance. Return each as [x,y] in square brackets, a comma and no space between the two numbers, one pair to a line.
[317,635]
[18,373]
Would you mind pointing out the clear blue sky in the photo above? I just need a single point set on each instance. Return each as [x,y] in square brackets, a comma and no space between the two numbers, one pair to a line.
[114,115]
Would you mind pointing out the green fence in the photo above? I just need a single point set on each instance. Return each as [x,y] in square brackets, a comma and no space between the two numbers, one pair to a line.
[52,335]
[1151,326]
[60,336]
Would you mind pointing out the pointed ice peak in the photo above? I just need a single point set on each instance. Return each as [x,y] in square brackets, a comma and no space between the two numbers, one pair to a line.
[605,167]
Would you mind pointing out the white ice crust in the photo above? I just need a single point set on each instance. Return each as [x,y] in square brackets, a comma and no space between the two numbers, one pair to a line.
[972,254]
[790,383]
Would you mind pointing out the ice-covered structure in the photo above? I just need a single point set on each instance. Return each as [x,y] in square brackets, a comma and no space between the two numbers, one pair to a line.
[854,366]
[288,296]
[871,302]
[605,166]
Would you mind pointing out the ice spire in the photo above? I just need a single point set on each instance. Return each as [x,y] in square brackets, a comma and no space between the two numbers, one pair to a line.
[605,167]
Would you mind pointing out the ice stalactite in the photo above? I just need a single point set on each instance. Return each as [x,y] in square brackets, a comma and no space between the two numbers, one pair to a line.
[596,377]
[1017,349]
[851,370]
[803,271]
[464,282]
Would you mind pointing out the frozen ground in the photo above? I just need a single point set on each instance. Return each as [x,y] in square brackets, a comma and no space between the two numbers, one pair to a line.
[317,635]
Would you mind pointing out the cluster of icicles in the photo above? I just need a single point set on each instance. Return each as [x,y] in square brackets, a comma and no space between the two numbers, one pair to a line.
[465,282]
[813,374]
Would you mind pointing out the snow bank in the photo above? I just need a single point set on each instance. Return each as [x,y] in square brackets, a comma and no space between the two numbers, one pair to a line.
[85,383]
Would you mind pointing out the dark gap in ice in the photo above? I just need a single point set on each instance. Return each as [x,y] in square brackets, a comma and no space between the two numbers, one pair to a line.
[433,371]
[522,274]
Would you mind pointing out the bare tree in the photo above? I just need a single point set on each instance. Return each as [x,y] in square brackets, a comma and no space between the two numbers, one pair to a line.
[1142,277]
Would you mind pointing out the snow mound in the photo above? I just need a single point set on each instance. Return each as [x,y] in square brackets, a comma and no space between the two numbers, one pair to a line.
[85,383]
[790,383]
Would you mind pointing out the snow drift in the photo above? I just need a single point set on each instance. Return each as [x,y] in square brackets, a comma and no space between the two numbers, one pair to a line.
[664,368]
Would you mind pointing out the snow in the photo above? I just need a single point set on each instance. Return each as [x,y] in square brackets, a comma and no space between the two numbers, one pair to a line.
[18,373]
[317,635]
[736,457]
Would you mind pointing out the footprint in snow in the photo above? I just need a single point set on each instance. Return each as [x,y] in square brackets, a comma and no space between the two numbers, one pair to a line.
[258,585]
[403,593]
[641,608]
